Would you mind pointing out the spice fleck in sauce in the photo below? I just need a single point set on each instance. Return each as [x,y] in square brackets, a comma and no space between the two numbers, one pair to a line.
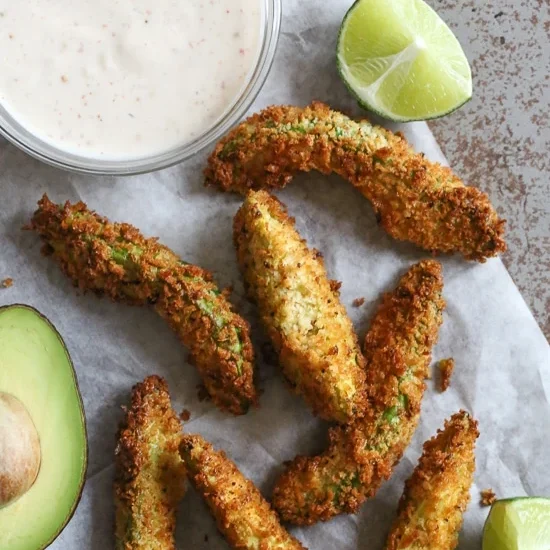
[124,78]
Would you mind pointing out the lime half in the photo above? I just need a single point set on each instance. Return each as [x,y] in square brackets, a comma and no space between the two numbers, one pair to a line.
[518,524]
[402,61]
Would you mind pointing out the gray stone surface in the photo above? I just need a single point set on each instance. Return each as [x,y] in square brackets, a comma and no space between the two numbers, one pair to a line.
[500,141]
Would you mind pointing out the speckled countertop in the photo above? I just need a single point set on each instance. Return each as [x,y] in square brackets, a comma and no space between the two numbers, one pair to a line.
[500,141]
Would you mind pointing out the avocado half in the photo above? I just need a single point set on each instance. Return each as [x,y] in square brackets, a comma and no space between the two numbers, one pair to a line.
[37,377]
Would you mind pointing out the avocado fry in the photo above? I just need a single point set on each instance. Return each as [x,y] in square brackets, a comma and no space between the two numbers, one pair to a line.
[150,475]
[415,199]
[300,309]
[361,456]
[116,260]
[243,516]
[431,509]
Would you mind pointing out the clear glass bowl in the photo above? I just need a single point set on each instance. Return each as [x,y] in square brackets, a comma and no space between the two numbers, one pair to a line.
[22,138]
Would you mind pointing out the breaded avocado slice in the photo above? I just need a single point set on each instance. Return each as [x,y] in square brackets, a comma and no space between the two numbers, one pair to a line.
[150,475]
[300,310]
[243,516]
[361,455]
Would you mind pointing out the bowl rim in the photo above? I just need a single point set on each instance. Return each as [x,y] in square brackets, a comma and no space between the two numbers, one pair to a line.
[28,142]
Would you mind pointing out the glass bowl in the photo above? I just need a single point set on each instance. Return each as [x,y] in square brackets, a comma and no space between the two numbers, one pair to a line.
[46,152]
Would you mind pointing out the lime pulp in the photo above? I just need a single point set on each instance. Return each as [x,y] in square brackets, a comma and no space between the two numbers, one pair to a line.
[518,524]
[401,60]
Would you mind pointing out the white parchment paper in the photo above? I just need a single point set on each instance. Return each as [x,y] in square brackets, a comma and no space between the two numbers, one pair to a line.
[502,370]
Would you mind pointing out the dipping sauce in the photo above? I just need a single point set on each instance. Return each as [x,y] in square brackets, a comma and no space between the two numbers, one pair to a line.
[124,79]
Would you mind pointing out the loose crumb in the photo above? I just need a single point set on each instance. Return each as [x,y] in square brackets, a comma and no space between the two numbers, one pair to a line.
[446,367]
[335,286]
[6,283]
[358,302]
[487,497]
[185,415]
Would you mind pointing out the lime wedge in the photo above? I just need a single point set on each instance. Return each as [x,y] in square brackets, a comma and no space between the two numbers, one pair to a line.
[518,524]
[401,60]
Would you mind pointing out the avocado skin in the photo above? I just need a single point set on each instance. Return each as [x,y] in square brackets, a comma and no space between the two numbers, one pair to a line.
[82,418]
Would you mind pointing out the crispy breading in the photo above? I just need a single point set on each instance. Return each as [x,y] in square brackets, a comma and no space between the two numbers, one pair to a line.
[414,199]
[116,260]
[243,516]
[300,309]
[437,494]
[6,283]
[150,475]
[488,497]
[446,368]
[362,455]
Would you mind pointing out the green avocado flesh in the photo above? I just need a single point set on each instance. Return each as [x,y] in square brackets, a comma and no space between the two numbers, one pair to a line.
[35,367]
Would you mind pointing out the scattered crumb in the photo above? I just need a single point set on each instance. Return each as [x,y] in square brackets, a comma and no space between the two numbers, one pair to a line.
[487,497]
[335,286]
[446,367]
[185,415]
[358,302]
[64,78]
[6,283]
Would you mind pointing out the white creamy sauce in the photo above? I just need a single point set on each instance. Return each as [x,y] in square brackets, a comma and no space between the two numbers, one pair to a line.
[124,78]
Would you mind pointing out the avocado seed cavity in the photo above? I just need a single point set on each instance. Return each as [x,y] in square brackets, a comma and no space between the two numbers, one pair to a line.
[19,449]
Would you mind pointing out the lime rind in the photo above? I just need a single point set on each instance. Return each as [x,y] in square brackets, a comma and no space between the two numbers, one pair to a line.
[521,523]
[401,61]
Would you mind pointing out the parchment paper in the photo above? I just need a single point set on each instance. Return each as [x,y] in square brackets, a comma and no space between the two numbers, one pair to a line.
[502,359]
